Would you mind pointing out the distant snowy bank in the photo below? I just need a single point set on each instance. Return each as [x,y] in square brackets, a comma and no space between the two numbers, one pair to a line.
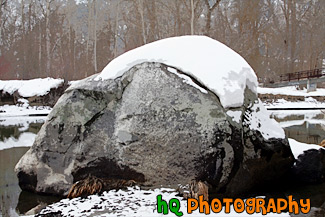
[29,88]
[29,97]
[23,109]
[291,98]
[290,91]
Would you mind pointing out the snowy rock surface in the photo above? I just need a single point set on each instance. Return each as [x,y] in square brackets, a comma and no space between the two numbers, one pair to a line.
[152,125]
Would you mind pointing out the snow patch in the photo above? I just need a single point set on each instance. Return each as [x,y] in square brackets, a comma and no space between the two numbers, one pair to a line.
[213,64]
[298,148]
[281,114]
[258,119]
[308,103]
[23,110]
[235,115]
[290,91]
[28,88]
[186,79]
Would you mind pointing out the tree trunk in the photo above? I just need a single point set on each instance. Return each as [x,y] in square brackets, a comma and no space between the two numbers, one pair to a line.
[47,39]
[40,50]
[209,16]
[293,18]
[116,28]
[178,23]
[141,11]
[95,36]
[192,17]
[88,36]
[22,47]
[1,5]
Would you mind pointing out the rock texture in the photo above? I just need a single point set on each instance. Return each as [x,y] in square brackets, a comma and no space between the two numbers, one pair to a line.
[151,127]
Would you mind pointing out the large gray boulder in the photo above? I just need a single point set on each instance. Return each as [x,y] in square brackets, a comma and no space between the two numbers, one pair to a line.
[150,126]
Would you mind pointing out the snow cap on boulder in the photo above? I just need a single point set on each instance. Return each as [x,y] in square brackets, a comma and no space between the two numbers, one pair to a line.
[213,64]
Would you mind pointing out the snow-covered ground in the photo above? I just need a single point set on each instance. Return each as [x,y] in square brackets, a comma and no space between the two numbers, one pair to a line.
[308,114]
[133,202]
[28,88]
[309,118]
[290,91]
[260,120]
[136,202]
[23,109]
[307,104]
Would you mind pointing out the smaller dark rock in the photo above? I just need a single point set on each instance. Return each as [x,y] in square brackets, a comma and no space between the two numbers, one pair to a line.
[310,166]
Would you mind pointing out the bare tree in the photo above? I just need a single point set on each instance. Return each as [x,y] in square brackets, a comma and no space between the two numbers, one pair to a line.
[210,9]
[2,5]
[47,38]
[90,11]
[192,17]
[141,11]
[95,36]
[116,28]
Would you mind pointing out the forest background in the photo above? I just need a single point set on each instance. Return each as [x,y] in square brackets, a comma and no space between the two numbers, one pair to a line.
[73,39]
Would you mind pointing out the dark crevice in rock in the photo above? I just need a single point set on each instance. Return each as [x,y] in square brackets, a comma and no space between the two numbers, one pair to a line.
[75,140]
[77,136]
[94,118]
[236,141]
[107,169]
[27,182]
[61,128]
[213,169]
[214,162]
[96,95]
